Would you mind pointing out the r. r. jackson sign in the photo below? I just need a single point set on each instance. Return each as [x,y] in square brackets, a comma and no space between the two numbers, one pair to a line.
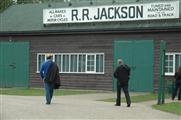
[127,12]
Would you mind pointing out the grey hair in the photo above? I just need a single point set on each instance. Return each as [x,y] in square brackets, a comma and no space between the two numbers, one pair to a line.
[120,61]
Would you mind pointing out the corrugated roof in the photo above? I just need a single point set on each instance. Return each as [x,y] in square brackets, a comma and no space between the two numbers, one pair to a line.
[29,17]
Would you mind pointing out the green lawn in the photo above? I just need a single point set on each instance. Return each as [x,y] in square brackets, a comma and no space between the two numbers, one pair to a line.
[135,99]
[41,92]
[174,107]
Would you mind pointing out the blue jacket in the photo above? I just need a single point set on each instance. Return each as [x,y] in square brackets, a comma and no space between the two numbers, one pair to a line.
[44,68]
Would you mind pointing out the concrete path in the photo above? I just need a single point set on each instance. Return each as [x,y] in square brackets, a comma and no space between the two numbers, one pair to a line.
[77,107]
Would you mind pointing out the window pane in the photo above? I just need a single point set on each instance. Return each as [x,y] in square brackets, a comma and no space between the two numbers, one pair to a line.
[166,57]
[58,61]
[169,64]
[90,63]
[73,67]
[166,69]
[65,65]
[170,57]
[171,69]
[82,60]
[41,60]
[99,63]
[166,64]
[88,68]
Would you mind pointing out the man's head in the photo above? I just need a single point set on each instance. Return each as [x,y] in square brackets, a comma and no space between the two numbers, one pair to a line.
[49,57]
[120,61]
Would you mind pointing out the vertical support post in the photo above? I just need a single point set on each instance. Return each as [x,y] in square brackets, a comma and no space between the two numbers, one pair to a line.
[161,87]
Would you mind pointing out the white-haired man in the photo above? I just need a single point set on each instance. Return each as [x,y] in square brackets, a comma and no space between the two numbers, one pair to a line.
[122,74]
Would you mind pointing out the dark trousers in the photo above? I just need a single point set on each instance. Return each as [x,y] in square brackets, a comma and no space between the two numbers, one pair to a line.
[177,88]
[48,92]
[125,90]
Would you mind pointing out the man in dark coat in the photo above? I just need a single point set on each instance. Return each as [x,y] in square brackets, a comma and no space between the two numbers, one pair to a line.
[122,74]
[177,84]
[50,75]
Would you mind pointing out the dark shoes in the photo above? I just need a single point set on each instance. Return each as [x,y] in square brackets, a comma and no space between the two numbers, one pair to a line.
[178,98]
[117,104]
[129,105]
[173,98]
[47,103]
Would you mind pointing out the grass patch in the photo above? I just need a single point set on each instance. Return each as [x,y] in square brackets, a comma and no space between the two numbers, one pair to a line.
[135,99]
[41,92]
[174,107]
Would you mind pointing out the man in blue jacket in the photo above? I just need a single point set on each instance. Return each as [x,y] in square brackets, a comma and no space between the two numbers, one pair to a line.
[50,75]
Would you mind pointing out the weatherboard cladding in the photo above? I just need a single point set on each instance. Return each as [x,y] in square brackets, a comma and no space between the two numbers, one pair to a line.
[92,43]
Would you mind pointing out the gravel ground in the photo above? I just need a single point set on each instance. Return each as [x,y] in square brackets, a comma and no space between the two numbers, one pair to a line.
[84,107]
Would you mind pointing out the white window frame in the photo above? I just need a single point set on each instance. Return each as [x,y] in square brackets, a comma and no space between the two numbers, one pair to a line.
[69,54]
[174,56]
[94,63]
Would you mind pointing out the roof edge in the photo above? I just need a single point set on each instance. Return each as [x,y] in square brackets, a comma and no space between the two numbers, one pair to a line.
[84,31]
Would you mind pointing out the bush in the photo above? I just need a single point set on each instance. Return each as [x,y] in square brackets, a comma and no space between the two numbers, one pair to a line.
[5,4]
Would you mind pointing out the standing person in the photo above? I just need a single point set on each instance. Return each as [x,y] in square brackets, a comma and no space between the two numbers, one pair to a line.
[122,73]
[50,75]
[177,84]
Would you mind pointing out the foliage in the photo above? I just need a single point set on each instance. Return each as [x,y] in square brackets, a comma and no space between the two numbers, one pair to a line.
[5,4]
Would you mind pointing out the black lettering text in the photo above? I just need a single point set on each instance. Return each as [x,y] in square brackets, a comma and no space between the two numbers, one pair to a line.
[85,13]
[116,12]
[139,12]
[74,15]
[124,12]
[109,12]
[131,12]
[103,13]
[98,12]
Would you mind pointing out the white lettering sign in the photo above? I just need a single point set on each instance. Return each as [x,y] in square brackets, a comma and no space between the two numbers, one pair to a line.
[128,12]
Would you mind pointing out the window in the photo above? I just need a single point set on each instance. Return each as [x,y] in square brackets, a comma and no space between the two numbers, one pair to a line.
[99,63]
[58,61]
[90,63]
[172,62]
[81,63]
[177,61]
[65,63]
[41,59]
[75,62]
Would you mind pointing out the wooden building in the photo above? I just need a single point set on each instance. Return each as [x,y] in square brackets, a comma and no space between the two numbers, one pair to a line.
[86,39]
